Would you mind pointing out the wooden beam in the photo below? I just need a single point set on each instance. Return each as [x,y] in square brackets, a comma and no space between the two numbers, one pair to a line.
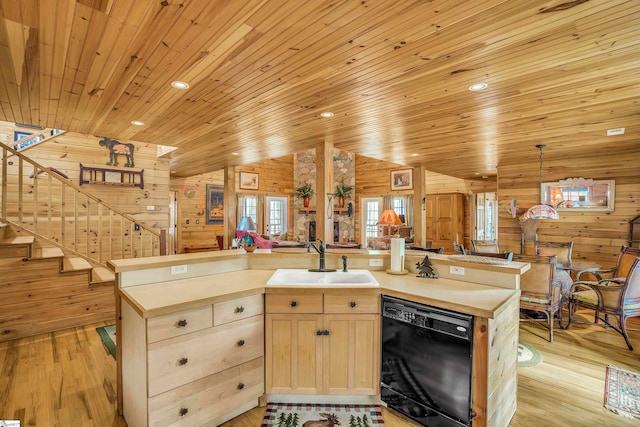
[230,206]
[324,184]
[419,218]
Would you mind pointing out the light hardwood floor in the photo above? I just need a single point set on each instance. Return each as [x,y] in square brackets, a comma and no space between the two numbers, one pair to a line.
[67,378]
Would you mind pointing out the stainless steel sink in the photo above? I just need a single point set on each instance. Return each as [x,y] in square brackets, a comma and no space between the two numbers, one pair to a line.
[300,277]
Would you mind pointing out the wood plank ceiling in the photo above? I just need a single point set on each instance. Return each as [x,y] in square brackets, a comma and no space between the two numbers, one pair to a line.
[395,73]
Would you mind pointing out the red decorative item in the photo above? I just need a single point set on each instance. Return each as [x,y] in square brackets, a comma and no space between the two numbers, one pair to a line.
[306,202]
[341,202]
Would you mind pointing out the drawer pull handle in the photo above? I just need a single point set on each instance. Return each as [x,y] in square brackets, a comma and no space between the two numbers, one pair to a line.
[183,411]
[353,304]
[240,386]
[183,361]
[182,323]
[294,303]
[240,343]
[239,310]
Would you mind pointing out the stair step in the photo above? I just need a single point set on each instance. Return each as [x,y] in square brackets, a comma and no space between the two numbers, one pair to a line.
[75,264]
[102,275]
[47,253]
[19,240]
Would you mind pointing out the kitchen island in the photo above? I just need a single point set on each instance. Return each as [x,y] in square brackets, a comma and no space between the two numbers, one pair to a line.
[170,305]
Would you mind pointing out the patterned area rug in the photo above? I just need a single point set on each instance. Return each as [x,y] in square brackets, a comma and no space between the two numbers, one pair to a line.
[108,337]
[312,415]
[622,392]
[528,356]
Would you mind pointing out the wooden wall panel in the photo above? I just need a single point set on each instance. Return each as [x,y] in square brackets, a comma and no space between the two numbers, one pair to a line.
[597,236]
[275,178]
[67,151]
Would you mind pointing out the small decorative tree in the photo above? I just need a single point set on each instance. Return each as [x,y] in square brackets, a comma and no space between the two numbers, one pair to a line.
[305,191]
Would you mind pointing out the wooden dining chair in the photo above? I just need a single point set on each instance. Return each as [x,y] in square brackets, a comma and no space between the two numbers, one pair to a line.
[562,250]
[609,298]
[432,250]
[458,247]
[626,257]
[537,291]
[485,245]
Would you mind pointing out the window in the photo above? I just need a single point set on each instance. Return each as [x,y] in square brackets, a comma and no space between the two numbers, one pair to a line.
[276,215]
[250,208]
[486,216]
[400,206]
[371,210]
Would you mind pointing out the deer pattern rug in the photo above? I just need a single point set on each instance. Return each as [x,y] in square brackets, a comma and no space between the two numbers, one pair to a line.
[322,415]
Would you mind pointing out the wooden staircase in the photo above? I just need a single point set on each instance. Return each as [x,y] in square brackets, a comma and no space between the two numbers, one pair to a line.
[42,289]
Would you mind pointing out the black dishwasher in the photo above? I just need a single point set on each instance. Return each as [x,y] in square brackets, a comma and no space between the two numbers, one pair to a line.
[426,363]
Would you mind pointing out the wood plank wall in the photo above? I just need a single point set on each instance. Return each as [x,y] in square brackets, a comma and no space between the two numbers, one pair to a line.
[597,236]
[373,179]
[275,178]
[66,152]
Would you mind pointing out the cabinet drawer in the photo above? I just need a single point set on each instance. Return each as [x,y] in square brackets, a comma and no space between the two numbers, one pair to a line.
[179,323]
[180,360]
[298,303]
[237,309]
[351,303]
[203,400]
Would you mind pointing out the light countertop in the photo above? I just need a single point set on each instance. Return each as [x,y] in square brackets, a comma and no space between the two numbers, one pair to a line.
[159,298]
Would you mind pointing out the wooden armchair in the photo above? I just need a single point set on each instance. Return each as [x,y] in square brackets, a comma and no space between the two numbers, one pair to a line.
[609,298]
[562,250]
[537,291]
[485,245]
[626,257]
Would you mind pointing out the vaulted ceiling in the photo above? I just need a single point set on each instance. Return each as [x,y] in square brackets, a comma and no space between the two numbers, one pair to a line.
[395,73]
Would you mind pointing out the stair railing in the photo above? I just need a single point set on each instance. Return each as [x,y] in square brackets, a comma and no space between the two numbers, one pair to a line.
[56,209]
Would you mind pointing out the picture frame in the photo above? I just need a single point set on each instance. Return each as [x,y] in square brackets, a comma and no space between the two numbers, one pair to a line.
[402,179]
[249,181]
[215,204]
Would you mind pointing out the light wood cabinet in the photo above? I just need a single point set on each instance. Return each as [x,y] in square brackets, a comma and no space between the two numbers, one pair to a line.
[193,367]
[332,350]
[444,215]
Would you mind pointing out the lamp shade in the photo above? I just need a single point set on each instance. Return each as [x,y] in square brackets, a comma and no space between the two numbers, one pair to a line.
[541,212]
[389,217]
[246,224]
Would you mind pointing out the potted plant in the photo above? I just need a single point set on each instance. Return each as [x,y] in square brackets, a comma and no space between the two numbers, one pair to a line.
[248,243]
[306,192]
[343,191]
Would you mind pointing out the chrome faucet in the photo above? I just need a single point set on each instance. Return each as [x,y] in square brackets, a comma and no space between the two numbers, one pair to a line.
[321,251]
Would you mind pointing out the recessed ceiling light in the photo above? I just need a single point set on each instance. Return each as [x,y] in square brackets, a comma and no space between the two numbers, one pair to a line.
[326,114]
[173,171]
[235,154]
[478,86]
[476,173]
[137,123]
[180,85]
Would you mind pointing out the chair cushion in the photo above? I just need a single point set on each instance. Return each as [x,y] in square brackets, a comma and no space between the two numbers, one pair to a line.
[535,300]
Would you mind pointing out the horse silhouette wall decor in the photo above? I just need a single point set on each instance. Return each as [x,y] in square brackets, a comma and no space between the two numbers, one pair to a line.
[116,148]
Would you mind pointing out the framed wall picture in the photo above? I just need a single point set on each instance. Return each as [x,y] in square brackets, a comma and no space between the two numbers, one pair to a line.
[402,179]
[248,181]
[215,204]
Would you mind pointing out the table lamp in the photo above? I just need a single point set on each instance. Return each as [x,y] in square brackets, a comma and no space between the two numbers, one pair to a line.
[246,224]
[389,218]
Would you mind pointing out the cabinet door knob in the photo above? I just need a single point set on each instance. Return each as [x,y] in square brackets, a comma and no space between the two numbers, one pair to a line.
[238,310]
[182,323]
[240,343]
[294,303]
[353,304]
[240,386]
[319,332]
[183,361]
[326,332]
[183,411]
